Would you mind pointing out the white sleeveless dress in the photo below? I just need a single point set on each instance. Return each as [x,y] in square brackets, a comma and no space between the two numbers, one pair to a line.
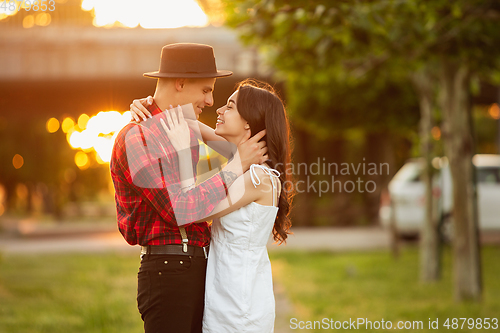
[239,294]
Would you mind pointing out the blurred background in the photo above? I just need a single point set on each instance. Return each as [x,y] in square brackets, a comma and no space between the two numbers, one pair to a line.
[364,85]
[60,69]
[68,76]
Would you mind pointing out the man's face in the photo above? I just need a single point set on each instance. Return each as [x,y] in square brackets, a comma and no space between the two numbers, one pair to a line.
[198,92]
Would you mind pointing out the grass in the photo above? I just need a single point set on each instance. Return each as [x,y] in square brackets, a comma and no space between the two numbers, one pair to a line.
[69,293]
[343,286]
[74,293]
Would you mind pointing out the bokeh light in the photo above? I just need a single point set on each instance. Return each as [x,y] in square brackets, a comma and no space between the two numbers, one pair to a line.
[43,19]
[28,21]
[17,161]
[52,125]
[22,191]
[82,160]
[494,111]
[436,133]
[83,120]
[67,124]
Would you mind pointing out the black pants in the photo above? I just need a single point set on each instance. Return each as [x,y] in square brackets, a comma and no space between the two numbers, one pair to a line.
[171,292]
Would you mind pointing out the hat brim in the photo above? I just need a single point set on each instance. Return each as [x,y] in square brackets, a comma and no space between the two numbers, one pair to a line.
[157,74]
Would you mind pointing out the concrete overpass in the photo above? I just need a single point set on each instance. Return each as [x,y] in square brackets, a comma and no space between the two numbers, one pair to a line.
[89,53]
[68,46]
[71,67]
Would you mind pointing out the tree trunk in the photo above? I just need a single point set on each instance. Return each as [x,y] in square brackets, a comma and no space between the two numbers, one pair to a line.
[430,263]
[303,213]
[459,148]
[393,230]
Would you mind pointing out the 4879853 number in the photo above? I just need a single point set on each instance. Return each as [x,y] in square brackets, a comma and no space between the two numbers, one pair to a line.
[479,323]
[27,5]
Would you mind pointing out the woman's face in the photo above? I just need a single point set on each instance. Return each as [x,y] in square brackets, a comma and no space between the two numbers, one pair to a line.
[230,125]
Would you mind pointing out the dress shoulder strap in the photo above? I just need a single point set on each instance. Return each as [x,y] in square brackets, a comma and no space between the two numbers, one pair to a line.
[273,173]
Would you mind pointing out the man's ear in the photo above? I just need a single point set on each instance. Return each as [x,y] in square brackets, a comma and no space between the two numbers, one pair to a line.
[179,84]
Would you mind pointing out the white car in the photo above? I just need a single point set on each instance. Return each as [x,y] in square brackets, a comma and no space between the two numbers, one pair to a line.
[406,194]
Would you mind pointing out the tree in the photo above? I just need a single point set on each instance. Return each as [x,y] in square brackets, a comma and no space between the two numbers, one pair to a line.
[320,46]
[430,258]
[330,94]
[458,38]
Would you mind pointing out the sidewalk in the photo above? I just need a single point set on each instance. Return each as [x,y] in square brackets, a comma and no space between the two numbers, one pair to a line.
[27,236]
[335,239]
[32,238]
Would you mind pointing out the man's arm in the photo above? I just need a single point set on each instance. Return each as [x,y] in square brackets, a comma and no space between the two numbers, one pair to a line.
[154,173]
[156,177]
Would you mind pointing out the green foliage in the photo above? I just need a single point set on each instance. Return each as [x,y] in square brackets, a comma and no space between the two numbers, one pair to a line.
[337,74]
[343,58]
[348,65]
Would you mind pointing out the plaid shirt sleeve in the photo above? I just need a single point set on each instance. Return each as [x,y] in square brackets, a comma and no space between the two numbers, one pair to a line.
[151,166]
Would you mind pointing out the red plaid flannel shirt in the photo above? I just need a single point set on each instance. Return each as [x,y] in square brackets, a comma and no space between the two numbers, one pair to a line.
[149,202]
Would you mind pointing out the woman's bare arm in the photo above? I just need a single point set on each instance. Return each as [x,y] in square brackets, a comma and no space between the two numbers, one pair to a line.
[241,193]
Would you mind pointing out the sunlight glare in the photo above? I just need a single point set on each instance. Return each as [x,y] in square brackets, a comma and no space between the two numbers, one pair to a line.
[99,133]
[9,8]
[149,14]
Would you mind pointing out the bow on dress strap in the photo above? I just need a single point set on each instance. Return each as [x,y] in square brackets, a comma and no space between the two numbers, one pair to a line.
[273,173]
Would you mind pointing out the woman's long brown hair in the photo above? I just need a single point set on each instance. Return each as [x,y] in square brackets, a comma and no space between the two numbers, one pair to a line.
[261,107]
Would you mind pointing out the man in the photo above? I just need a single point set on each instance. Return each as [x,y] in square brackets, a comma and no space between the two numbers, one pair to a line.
[154,211]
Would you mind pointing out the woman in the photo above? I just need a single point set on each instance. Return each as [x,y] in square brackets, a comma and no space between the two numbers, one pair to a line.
[239,292]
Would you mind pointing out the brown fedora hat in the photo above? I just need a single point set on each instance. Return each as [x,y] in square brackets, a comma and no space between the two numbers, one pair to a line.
[187,60]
